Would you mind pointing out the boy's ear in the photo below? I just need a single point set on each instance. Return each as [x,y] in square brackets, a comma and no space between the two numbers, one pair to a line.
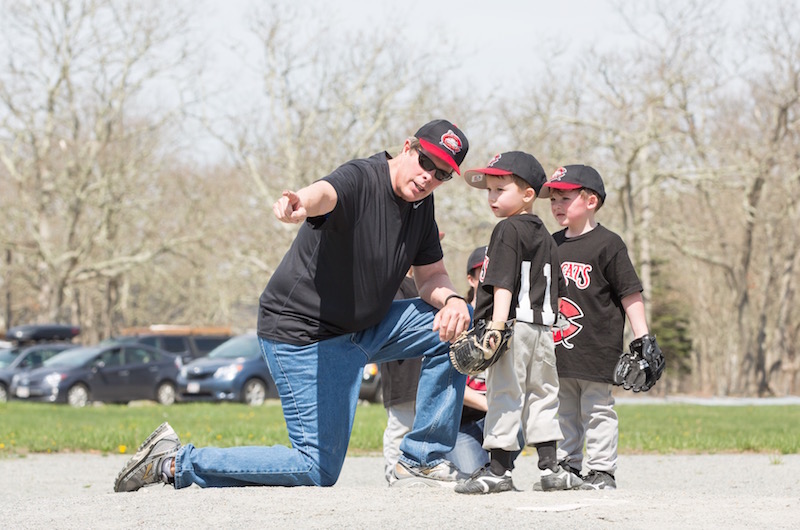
[592,201]
[530,194]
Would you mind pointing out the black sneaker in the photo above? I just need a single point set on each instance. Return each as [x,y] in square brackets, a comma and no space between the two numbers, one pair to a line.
[485,481]
[144,469]
[559,480]
[566,478]
[599,480]
[575,471]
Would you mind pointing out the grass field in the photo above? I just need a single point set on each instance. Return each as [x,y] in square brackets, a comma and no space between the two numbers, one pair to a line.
[663,429]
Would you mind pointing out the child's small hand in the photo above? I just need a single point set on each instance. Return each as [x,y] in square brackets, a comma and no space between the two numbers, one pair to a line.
[491,340]
[481,347]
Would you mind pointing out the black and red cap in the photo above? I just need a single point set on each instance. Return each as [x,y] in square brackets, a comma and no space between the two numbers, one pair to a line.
[475,260]
[444,140]
[517,163]
[575,177]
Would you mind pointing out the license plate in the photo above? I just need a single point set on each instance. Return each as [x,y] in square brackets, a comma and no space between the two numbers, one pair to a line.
[193,388]
[23,392]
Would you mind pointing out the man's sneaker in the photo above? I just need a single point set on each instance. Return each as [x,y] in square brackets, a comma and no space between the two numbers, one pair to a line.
[485,481]
[560,480]
[443,474]
[599,480]
[145,468]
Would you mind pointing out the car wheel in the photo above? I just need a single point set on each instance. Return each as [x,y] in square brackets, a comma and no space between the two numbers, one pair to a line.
[254,392]
[3,394]
[78,395]
[165,393]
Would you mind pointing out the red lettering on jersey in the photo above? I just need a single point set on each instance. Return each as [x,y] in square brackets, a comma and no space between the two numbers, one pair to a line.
[578,273]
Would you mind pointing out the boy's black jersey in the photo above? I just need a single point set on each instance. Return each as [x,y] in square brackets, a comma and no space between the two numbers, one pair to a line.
[522,257]
[599,274]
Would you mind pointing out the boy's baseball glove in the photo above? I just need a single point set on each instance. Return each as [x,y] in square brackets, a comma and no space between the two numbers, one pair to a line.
[639,369]
[477,349]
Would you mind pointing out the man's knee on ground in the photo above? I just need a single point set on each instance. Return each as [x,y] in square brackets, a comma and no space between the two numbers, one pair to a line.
[326,476]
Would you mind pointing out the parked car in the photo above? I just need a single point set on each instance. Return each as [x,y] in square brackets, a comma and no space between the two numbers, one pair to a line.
[24,358]
[187,341]
[234,371]
[371,387]
[110,373]
[35,333]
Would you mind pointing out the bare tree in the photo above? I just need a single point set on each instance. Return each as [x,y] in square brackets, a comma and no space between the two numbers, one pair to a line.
[82,142]
[323,98]
[736,152]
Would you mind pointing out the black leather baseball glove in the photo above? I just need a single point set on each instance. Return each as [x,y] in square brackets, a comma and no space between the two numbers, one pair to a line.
[477,349]
[641,367]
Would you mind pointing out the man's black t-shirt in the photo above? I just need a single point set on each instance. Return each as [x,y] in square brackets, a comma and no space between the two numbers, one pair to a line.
[522,258]
[599,274]
[343,269]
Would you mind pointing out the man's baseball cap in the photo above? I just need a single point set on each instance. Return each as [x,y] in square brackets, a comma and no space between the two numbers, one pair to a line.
[521,164]
[575,177]
[476,259]
[444,140]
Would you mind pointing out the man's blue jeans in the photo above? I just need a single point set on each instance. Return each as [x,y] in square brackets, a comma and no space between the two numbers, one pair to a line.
[468,455]
[319,385]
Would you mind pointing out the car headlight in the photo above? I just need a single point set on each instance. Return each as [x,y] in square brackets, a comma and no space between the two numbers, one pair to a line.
[228,372]
[15,379]
[53,379]
[183,372]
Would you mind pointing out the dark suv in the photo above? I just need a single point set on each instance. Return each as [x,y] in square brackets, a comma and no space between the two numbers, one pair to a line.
[32,345]
[35,333]
[186,341]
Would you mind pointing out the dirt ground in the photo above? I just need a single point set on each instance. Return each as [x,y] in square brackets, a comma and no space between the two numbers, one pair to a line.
[677,491]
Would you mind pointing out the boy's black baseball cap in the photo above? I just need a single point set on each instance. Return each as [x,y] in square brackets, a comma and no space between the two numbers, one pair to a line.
[476,259]
[444,140]
[521,164]
[575,177]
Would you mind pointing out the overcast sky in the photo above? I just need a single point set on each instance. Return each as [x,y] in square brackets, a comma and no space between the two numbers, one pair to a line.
[494,43]
[485,33]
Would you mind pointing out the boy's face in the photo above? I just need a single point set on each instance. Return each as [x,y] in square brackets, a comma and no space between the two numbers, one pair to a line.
[570,207]
[505,196]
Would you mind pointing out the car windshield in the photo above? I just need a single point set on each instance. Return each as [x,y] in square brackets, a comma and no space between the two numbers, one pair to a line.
[72,358]
[241,346]
[7,357]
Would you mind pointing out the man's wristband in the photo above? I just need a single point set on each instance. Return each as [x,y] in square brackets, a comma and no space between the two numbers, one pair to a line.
[454,296]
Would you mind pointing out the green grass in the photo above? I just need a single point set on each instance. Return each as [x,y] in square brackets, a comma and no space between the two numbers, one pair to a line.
[43,428]
[702,429]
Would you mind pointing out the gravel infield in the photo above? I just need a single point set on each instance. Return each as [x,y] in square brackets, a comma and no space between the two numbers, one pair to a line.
[655,491]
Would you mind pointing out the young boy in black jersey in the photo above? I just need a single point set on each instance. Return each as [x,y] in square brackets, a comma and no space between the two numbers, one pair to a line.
[602,288]
[520,280]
